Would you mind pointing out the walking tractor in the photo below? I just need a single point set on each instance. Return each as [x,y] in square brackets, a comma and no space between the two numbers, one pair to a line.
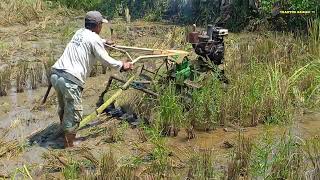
[170,66]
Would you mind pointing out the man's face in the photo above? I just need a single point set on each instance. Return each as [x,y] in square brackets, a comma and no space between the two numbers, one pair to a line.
[99,27]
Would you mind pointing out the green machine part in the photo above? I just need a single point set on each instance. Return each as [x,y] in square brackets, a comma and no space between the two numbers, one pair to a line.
[183,71]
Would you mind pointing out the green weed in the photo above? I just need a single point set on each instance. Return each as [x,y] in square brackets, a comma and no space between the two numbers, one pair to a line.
[71,170]
[272,158]
[206,103]
[314,38]
[68,31]
[160,153]
[169,112]
[4,49]
[22,172]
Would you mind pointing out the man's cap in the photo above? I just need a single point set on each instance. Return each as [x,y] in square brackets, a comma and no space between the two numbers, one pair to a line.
[95,17]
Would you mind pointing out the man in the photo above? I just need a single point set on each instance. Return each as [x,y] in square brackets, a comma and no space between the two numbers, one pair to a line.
[70,71]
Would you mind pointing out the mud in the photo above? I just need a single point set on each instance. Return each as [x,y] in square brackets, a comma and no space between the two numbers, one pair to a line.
[40,126]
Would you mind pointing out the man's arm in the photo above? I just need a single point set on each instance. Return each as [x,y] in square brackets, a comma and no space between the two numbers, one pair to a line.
[101,54]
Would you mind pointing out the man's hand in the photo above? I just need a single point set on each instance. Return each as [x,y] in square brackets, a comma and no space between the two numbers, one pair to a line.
[127,66]
[109,42]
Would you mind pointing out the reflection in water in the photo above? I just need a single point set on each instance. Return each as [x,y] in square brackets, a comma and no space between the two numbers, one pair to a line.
[20,119]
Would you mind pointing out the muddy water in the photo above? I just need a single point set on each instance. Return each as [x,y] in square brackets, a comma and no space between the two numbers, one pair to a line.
[16,114]
[308,125]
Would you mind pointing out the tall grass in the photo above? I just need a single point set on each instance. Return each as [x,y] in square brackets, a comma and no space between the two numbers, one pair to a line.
[271,157]
[240,162]
[270,78]
[169,112]
[274,158]
[261,94]
[202,166]
[206,104]
[314,38]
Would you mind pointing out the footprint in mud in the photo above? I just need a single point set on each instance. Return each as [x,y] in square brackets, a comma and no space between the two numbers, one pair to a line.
[50,137]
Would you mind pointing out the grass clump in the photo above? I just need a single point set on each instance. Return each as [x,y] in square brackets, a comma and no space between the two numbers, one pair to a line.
[268,158]
[36,75]
[22,172]
[206,104]
[239,165]
[242,101]
[277,158]
[159,155]
[4,49]
[21,77]
[115,133]
[307,88]
[71,170]
[169,112]
[5,75]
[314,38]
[202,166]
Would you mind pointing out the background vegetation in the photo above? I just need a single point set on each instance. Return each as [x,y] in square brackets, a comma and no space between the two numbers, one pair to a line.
[234,14]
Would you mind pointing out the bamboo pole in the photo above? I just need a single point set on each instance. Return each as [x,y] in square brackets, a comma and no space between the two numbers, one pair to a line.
[98,111]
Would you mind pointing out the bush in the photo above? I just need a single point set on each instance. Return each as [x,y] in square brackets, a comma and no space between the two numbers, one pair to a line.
[80,4]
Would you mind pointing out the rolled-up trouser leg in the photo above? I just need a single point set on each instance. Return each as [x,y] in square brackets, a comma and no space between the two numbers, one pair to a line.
[71,106]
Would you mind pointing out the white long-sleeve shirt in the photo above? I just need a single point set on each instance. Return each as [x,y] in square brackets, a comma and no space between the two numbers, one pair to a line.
[82,52]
